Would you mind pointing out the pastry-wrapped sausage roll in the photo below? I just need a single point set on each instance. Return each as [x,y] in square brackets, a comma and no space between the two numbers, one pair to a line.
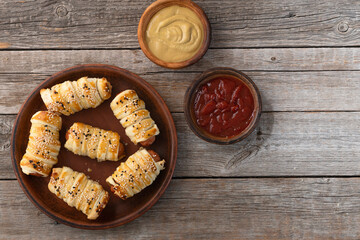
[136,173]
[71,97]
[85,140]
[138,124]
[78,191]
[43,146]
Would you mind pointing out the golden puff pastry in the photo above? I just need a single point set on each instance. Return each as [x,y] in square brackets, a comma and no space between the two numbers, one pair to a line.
[138,124]
[85,140]
[136,173]
[71,97]
[78,191]
[43,146]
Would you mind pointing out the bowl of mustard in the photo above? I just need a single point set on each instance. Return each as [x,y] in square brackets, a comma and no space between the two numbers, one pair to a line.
[174,33]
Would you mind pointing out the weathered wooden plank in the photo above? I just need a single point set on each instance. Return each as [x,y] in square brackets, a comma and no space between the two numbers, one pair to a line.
[285,208]
[281,91]
[273,59]
[6,125]
[285,144]
[113,23]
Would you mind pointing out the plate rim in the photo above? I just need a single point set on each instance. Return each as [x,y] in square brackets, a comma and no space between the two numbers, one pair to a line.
[136,214]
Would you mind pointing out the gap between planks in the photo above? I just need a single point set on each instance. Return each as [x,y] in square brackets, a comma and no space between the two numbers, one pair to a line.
[138,48]
[246,177]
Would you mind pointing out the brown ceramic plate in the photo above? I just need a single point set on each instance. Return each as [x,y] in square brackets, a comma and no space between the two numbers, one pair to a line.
[117,211]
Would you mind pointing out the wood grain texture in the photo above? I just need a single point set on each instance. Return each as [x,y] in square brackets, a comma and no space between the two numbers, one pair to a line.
[280,91]
[285,144]
[6,125]
[279,208]
[311,89]
[303,55]
[273,59]
[113,23]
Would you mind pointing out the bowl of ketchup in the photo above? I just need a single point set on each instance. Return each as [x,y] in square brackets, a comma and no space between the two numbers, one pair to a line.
[222,106]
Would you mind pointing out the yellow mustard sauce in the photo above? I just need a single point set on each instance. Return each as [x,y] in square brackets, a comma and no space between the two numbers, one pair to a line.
[174,34]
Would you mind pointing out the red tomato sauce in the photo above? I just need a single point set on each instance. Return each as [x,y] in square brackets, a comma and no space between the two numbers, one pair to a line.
[224,107]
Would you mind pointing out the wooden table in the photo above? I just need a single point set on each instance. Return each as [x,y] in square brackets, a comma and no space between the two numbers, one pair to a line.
[296,177]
